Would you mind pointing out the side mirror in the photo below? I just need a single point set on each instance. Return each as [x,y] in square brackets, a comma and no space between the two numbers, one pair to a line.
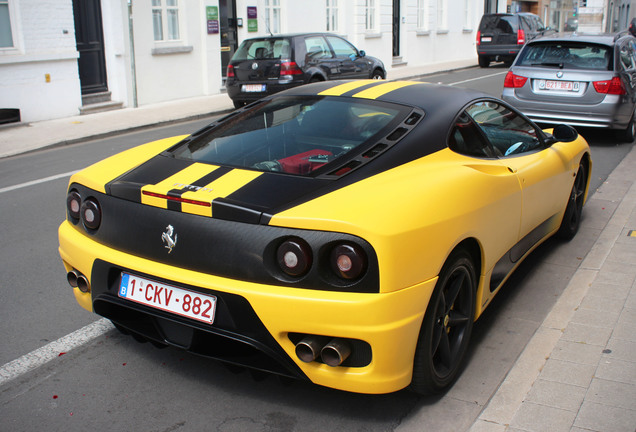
[362,53]
[563,133]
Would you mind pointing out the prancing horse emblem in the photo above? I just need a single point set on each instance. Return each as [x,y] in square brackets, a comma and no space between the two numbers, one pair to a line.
[167,238]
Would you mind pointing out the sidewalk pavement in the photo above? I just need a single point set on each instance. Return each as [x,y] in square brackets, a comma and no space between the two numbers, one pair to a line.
[577,373]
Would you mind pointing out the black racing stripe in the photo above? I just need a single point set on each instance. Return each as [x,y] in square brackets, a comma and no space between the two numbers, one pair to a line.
[359,89]
[214,175]
[128,186]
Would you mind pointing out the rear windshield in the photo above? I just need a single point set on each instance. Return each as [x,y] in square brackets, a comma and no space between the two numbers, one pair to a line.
[266,49]
[498,24]
[295,135]
[567,55]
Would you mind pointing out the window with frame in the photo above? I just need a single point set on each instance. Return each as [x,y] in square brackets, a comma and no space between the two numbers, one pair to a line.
[442,14]
[509,134]
[422,15]
[332,15]
[369,15]
[165,20]
[6,36]
[272,16]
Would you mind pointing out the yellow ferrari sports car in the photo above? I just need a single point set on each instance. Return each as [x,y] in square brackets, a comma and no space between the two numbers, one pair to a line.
[346,233]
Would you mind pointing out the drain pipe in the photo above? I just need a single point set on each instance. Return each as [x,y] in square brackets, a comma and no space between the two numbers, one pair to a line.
[133,69]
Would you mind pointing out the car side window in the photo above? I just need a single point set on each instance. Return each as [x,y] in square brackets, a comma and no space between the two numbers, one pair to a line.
[467,139]
[341,47]
[508,133]
[626,56]
[317,47]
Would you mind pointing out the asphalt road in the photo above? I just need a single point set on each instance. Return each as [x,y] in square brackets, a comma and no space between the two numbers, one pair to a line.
[111,382]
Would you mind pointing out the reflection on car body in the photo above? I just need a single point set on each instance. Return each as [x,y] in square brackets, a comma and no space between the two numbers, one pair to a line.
[345,232]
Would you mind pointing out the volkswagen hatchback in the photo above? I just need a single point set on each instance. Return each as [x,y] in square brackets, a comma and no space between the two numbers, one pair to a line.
[581,80]
[266,65]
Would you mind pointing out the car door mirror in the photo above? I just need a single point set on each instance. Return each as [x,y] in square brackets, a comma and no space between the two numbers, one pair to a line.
[362,53]
[562,133]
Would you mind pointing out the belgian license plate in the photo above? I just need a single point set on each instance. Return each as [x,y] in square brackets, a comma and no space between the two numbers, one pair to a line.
[253,88]
[561,85]
[486,39]
[167,297]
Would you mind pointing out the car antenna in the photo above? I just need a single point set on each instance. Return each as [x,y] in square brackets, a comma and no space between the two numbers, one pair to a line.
[267,25]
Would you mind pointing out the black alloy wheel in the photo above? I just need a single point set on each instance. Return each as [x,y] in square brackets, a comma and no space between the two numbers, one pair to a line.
[574,209]
[447,326]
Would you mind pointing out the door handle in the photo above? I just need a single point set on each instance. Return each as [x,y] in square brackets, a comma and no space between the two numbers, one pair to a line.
[512,170]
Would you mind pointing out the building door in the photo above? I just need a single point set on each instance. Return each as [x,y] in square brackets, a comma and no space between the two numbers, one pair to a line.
[89,38]
[396,28]
[228,28]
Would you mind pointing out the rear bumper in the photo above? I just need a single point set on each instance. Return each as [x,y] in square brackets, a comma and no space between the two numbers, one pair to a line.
[255,322]
[499,51]
[274,86]
[610,113]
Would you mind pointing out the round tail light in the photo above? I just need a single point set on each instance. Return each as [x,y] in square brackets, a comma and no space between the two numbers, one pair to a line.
[348,261]
[294,257]
[91,214]
[73,204]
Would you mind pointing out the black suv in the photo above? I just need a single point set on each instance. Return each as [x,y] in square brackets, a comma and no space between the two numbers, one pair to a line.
[266,65]
[501,36]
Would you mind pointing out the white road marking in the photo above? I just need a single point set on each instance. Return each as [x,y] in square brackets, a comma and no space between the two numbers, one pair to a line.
[43,355]
[478,78]
[38,181]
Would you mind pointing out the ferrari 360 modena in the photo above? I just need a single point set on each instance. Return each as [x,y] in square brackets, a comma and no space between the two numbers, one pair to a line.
[348,233]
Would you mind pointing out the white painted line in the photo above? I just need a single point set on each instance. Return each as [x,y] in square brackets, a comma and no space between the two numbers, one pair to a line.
[34,182]
[478,78]
[43,355]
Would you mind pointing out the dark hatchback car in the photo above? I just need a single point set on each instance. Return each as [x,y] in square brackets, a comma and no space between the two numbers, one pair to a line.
[265,65]
[501,36]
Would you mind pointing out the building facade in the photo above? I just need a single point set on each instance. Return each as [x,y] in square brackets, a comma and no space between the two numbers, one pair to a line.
[59,58]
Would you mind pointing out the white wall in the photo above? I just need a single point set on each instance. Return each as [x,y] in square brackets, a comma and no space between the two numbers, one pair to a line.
[44,38]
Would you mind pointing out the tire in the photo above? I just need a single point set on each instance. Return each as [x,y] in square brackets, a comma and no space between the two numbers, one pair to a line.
[238,104]
[484,62]
[629,133]
[574,208]
[377,75]
[447,326]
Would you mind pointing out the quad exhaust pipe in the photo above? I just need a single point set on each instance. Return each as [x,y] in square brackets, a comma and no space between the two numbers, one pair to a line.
[78,280]
[332,352]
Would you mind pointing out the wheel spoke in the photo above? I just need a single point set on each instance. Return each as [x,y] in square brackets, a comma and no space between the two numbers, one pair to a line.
[457,318]
[453,291]
[444,350]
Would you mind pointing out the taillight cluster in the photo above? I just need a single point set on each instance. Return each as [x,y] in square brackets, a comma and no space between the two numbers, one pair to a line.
[230,71]
[521,37]
[346,260]
[514,81]
[87,210]
[613,87]
[289,68]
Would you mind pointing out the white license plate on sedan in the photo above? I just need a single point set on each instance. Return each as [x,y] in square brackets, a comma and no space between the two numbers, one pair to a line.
[253,88]
[169,298]
[559,85]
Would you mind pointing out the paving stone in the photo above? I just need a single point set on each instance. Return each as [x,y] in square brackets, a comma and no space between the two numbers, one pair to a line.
[612,393]
[568,372]
[621,349]
[610,290]
[557,395]
[602,303]
[596,319]
[533,417]
[597,417]
[624,252]
[576,352]
[617,370]
[617,273]
[590,335]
